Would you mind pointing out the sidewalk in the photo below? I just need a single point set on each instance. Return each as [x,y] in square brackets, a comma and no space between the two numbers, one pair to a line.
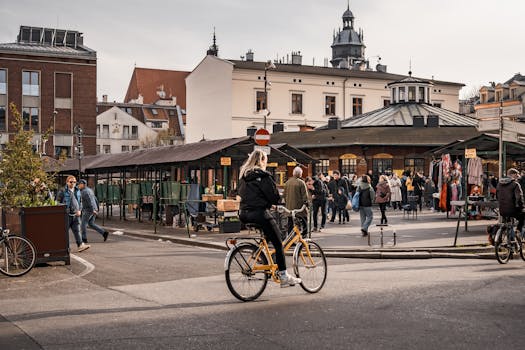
[431,235]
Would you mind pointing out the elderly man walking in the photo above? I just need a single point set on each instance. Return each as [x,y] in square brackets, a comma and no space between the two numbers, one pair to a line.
[295,196]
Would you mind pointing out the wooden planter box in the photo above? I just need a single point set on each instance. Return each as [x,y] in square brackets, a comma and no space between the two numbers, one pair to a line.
[229,226]
[46,227]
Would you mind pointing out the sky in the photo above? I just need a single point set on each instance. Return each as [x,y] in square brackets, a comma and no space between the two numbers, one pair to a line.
[472,42]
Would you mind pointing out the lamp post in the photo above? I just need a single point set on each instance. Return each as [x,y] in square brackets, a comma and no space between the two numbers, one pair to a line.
[79,132]
[268,65]
[500,148]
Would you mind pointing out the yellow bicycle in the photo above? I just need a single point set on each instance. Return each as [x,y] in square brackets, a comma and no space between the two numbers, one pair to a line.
[248,265]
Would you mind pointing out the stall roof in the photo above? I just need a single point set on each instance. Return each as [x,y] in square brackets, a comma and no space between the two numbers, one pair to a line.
[486,146]
[236,148]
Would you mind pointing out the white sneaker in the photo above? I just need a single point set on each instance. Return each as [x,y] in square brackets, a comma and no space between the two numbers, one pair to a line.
[83,247]
[288,280]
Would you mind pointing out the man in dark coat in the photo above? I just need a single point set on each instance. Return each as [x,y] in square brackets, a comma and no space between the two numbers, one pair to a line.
[319,196]
[510,197]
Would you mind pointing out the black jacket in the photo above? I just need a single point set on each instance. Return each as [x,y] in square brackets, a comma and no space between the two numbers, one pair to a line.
[320,191]
[510,197]
[258,191]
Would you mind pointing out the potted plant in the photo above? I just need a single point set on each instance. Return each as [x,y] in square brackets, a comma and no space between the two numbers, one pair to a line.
[28,205]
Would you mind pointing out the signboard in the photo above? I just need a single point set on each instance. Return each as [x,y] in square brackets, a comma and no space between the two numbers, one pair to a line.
[470,153]
[226,161]
[510,136]
[516,127]
[291,163]
[507,111]
[262,137]
[272,165]
[488,125]
[265,149]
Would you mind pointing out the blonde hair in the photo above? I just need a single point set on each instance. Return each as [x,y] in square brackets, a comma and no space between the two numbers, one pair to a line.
[253,162]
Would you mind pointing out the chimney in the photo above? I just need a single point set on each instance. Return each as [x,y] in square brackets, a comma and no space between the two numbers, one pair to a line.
[418,121]
[105,98]
[432,121]
[381,68]
[250,131]
[297,58]
[249,56]
[334,123]
[277,127]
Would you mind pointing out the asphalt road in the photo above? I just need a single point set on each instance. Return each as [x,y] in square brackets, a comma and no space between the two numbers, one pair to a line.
[136,294]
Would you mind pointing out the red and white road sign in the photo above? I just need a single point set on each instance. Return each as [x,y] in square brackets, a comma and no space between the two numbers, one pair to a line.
[262,137]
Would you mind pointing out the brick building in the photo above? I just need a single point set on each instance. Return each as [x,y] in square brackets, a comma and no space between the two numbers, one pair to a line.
[51,77]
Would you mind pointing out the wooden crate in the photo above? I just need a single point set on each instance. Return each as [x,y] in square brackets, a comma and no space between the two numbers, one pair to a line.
[212,197]
[228,205]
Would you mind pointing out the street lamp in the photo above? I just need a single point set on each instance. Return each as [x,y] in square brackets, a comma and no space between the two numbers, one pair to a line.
[268,65]
[79,132]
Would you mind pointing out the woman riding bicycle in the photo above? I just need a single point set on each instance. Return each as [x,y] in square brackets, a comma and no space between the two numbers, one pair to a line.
[258,193]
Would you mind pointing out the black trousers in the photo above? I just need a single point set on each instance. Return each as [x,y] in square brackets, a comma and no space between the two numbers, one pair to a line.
[270,229]
[382,208]
[316,206]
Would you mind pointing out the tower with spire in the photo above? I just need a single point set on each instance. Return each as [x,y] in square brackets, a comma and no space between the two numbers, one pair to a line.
[214,48]
[348,48]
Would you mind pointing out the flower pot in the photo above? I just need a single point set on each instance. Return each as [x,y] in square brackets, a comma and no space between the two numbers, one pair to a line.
[46,227]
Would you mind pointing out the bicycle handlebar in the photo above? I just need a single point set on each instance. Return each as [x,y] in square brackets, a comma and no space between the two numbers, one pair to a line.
[283,209]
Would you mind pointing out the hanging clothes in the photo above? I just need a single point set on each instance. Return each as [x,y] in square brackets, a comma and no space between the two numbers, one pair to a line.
[475,171]
[454,196]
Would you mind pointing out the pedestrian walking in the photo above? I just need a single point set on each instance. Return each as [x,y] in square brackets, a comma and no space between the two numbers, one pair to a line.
[319,196]
[89,211]
[366,198]
[382,197]
[333,186]
[395,187]
[70,196]
[340,204]
[295,196]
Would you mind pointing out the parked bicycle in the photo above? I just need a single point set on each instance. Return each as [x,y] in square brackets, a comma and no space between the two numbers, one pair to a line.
[507,241]
[248,265]
[17,254]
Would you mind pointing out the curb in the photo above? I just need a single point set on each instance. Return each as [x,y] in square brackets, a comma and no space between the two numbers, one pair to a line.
[400,253]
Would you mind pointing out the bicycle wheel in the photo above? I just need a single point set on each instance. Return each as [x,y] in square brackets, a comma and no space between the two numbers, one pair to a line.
[503,247]
[310,265]
[521,242]
[18,256]
[242,281]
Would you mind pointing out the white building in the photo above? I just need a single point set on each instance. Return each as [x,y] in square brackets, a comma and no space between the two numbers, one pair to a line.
[226,97]
[118,132]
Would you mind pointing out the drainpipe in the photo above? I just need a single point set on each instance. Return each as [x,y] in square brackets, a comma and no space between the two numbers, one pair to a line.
[344,98]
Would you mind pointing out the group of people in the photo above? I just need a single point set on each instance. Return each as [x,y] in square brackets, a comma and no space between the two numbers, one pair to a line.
[82,209]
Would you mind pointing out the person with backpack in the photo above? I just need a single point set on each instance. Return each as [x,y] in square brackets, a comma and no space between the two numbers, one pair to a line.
[366,199]
[70,196]
[319,196]
[89,211]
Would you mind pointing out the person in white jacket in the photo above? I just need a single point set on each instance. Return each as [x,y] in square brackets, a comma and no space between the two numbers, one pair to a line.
[395,186]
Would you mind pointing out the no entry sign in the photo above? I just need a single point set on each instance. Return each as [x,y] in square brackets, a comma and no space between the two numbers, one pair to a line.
[262,137]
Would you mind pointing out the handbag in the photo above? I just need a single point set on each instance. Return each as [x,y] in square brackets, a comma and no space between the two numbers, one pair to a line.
[355,201]
[348,205]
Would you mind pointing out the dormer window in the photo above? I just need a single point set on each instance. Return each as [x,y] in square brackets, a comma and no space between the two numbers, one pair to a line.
[154,111]
[513,93]
[483,96]
[499,95]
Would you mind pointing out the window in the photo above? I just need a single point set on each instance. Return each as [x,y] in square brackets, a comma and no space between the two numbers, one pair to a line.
[412,94]
[357,106]
[154,111]
[323,165]
[421,94]
[382,165]
[134,148]
[125,132]
[3,82]
[484,97]
[437,104]
[106,149]
[156,125]
[62,151]
[63,85]
[297,104]
[348,166]
[134,132]
[30,116]
[260,101]
[329,105]
[98,130]
[105,131]
[498,95]
[386,103]
[98,149]
[2,118]
[125,148]
[402,94]
[512,94]
[30,83]
[171,112]
[415,164]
